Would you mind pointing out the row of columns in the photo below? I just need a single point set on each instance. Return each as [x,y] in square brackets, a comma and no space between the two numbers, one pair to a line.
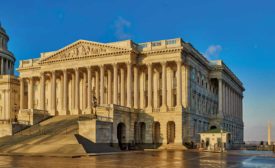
[6,66]
[132,83]
[230,102]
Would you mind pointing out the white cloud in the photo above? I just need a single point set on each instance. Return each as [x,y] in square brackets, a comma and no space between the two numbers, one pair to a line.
[213,51]
[121,25]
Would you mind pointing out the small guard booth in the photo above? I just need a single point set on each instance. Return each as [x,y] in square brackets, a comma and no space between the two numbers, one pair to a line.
[216,140]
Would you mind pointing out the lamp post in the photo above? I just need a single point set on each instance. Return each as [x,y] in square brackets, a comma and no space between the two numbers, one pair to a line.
[95,105]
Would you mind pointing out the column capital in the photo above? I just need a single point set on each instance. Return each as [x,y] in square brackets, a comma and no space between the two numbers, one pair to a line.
[163,63]
[30,78]
[88,67]
[114,64]
[149,64]
[64,70]
[178,62]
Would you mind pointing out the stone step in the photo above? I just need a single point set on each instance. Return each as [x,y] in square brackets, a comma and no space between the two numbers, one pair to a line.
[173,147]
[46,149]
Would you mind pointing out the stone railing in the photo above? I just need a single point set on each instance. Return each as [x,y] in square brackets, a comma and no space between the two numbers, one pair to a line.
[28,63]
[91,117]
[160,44]
[126,109]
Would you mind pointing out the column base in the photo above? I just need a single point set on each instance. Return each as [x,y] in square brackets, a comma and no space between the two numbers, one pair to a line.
[53,112]
[163,108]
[149,109]
[64,112]
[178,108]
[87,111]
[76,112]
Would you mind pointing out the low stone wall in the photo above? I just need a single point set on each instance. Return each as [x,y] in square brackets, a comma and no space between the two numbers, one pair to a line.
[10,129]
[31,116]
[96,131]
[5,129]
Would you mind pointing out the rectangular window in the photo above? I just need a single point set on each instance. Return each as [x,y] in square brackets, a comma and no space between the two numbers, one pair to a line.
[169,42]
[157,43]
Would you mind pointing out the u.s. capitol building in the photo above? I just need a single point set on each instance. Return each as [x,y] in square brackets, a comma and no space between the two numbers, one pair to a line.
[160,92]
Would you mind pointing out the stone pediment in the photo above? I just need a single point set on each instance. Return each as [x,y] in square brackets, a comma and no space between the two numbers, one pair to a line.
[82,49]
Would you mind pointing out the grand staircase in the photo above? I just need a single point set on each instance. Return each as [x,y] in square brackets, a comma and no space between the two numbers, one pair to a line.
[55,136]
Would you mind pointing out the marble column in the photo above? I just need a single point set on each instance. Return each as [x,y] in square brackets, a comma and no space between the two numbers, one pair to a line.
[220,98]
[53,95]
[229,102]
[109,86]
[239,106]
[179,87]
[170,84]
[122,86]
[89,100]
[73,92]
[97,87]
[129,84]
[142,88]
[84,91]
[30,93]
[2,66]
[7,67]
[77,91]
[22,93]
[8,105]
[164,88]
[155,89]
[12,69]
[65,92]
[136,82]
[234,104]
[101,84]
[115,101]
[227,105]
[42,91]
[149,66]
[61,93]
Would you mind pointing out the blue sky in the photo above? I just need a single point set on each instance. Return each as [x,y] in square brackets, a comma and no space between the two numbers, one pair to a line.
[239,32]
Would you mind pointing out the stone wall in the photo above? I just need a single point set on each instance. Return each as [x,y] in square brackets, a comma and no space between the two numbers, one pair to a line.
[5,129]
[32,116]
[96,131]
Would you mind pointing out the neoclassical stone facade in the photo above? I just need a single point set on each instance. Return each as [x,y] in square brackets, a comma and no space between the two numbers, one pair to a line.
[9,84]
[169,86]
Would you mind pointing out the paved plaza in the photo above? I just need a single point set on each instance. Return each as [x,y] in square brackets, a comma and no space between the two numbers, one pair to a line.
[145,159]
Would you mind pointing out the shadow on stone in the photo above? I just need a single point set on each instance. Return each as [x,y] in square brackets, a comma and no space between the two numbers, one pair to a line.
[91,147]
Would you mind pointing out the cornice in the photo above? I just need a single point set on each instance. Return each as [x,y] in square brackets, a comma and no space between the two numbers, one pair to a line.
[85,57]
[161,51]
